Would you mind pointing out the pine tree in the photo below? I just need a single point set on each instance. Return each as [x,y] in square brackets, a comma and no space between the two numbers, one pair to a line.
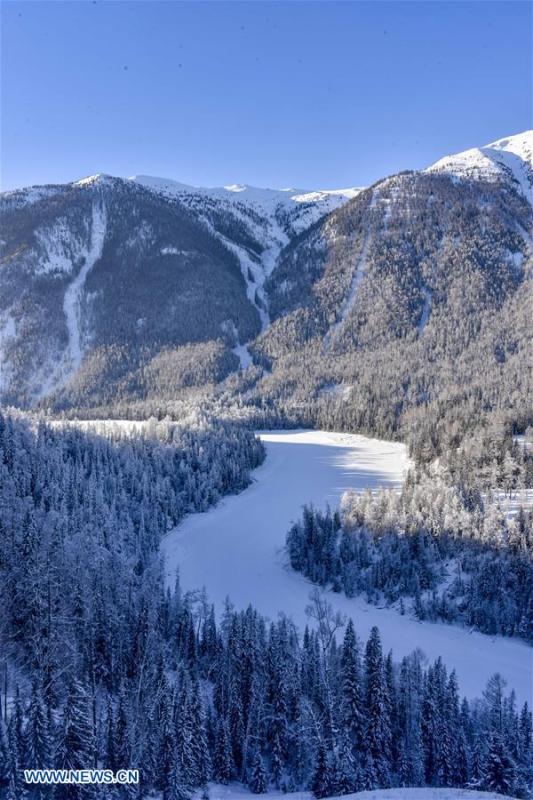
[15,791]
[351,697]
[110,756]
[499,770]
[77,746]
[200,749]
[15,784]
[257,781]
[321,780]
[378,730]
[36,736]
[276,762]
[177,788]
[222,762]
[167,747]
[526,731]
[4,757]
[346,780]
[184,728]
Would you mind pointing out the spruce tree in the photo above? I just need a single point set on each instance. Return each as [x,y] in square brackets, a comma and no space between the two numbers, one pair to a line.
[177,788]
[378,730]
[257,780]
[346,780]
[4,757]
[351,698]
[36,735]
[222,762]
[499,770]
[321,779]
[76,741]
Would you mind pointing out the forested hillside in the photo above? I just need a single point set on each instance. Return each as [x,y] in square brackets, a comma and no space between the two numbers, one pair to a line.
[88,513]
[406,313]
[102,667]
[431,551]
[402,310]
[99,278]
[104,282]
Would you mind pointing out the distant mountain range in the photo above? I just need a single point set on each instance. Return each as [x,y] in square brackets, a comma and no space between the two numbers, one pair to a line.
[145,290]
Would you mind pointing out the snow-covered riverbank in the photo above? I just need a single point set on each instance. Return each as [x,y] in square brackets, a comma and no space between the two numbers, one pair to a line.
[237,550]
[238,792]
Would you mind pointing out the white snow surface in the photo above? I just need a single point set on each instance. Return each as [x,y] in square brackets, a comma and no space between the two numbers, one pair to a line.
[424,317]
[61,249]
[8,331]
[264,201]
[72,299]
[237,549]
[341,391]
[511,157]
[237,791]
[241,350]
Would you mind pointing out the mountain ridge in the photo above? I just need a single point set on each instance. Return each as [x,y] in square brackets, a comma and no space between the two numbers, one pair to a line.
[114,287]
[510,155]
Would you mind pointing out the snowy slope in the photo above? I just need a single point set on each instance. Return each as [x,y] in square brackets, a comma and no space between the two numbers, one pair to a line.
[8,332]
[357,277]
[72,300]
[237,550]
[265,202]
[508,158]
[270,216]
[238,792]
[423,794]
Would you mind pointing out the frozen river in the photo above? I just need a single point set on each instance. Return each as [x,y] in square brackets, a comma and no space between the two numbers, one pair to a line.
[236,550]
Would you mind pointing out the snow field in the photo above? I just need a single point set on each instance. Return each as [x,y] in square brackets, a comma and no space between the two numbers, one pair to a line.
[236,550]
[239,792]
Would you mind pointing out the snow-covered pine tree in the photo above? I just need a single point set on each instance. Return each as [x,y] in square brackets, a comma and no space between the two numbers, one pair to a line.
[377,741]
[223,762]
[37,750]
[499,773]
[257,780]
[352,715]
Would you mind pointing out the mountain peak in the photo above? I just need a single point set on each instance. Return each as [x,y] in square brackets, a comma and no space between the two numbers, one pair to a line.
[91,180]
[509,157]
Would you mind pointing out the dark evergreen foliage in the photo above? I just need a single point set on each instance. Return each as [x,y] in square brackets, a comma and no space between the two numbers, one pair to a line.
[452,557]
[119,673]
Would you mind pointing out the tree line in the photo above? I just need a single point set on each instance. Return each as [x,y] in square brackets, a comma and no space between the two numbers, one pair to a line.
[431,550]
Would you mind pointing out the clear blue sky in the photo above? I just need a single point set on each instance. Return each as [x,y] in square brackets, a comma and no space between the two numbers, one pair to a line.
[318,94]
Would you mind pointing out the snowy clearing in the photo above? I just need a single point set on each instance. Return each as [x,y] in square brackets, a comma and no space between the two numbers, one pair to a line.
[238,792]
[237,550]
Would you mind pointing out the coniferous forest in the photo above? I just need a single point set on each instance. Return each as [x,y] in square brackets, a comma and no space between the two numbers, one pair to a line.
[466,567]
[378,337]
[103,667]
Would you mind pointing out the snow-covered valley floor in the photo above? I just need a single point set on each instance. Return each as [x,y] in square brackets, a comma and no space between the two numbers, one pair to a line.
[237,549]
[238,792]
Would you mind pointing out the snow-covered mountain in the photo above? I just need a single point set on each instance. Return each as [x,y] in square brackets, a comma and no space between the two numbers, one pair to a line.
[113,287]
[271,216]
[180,264]
[291,210]
[508,158]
